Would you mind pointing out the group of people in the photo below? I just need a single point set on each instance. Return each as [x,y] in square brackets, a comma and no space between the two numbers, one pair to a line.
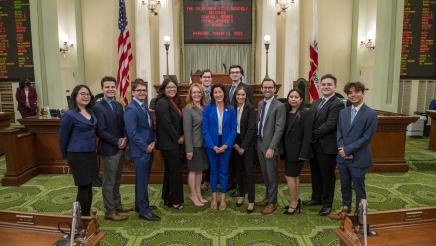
[218,129]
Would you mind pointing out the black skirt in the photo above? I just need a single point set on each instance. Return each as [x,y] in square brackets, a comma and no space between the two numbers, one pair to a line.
[83,166]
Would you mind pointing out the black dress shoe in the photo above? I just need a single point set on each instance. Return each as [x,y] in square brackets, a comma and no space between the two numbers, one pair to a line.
[249,211]
[235,193]
[325,211]
[150,216]
[151,207]
[311,203]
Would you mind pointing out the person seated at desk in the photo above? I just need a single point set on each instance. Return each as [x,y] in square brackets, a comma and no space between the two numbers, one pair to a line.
[432,105]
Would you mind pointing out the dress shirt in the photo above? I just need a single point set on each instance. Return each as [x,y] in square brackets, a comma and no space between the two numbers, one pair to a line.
[220,120]
[239,115]
[142,106]
[268,103]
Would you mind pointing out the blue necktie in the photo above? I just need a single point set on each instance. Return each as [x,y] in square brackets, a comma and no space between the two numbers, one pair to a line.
[113,106]
[147,122]
[262,115]
[353,114]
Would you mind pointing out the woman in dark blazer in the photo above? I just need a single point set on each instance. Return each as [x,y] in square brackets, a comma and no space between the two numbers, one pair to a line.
[78,144]
[219,132]
[195,153]
[26,98]
[296,139]
[169,136]
[244,149]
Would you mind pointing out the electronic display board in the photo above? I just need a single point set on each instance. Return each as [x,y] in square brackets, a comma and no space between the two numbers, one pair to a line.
[217,21]
[418,54]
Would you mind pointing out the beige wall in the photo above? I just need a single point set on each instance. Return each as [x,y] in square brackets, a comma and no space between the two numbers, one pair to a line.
[334,38]
[100,39]
[100,32]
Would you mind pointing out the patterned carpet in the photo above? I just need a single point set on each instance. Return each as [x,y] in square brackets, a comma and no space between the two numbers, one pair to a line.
[203,226]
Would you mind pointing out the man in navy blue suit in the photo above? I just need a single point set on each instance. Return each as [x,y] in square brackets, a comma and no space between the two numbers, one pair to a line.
[141,136]
[357,125]
[111,145]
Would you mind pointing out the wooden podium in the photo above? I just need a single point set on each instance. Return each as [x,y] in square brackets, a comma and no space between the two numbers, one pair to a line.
[22,228]
[402,227]
[5,122]
[222,78]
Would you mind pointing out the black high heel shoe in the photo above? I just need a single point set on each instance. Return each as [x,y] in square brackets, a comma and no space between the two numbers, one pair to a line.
[298,207]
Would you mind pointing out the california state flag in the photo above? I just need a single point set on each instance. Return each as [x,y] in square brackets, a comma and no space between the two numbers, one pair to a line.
[313,73]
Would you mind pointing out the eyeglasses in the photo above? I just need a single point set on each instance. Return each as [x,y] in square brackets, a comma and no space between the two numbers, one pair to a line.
[171,87]
[143,91]
[206,77]
[235,72]
[84,94]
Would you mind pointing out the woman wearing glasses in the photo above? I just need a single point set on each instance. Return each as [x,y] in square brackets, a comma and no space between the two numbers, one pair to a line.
[169,141]
[78,144]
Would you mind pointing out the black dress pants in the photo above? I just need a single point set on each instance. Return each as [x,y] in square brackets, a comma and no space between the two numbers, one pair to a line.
[322,167]
[84,197]
[172,190]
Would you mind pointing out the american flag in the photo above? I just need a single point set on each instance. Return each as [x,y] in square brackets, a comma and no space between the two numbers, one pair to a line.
[313,73]
[124,53]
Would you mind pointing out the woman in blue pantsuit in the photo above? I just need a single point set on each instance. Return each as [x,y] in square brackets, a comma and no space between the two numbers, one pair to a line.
[219,132]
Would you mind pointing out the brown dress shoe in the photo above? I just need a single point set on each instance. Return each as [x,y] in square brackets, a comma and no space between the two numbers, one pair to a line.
[262,203]
[341,214]
[114,217]
[269,209]
[124,208]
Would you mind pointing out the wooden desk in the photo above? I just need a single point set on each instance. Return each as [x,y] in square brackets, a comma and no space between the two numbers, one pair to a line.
[22,228]
[5,122]
[395,227]
[40,140]
[432,141]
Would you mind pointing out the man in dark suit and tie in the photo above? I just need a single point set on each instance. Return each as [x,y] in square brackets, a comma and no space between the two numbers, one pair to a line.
[236,74]
[110,130]
[272,119]
[324,147]
[141,136]
[356,126]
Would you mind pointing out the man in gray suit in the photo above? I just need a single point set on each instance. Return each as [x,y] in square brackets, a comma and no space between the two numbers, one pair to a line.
[272,117]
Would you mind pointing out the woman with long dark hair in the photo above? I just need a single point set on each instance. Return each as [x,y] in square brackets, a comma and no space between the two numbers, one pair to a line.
[169,136]
[78,144]
[296,139]
[219,132]
[244,149]
[26,97]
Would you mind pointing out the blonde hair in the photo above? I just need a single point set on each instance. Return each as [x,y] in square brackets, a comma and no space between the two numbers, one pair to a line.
[190,101]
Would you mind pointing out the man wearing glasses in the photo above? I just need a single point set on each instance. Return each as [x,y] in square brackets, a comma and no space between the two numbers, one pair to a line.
[141,135]
[272,117]
[206,83]
[236,74]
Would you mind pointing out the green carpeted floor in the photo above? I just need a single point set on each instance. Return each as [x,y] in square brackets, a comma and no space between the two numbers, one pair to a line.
[203,226]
